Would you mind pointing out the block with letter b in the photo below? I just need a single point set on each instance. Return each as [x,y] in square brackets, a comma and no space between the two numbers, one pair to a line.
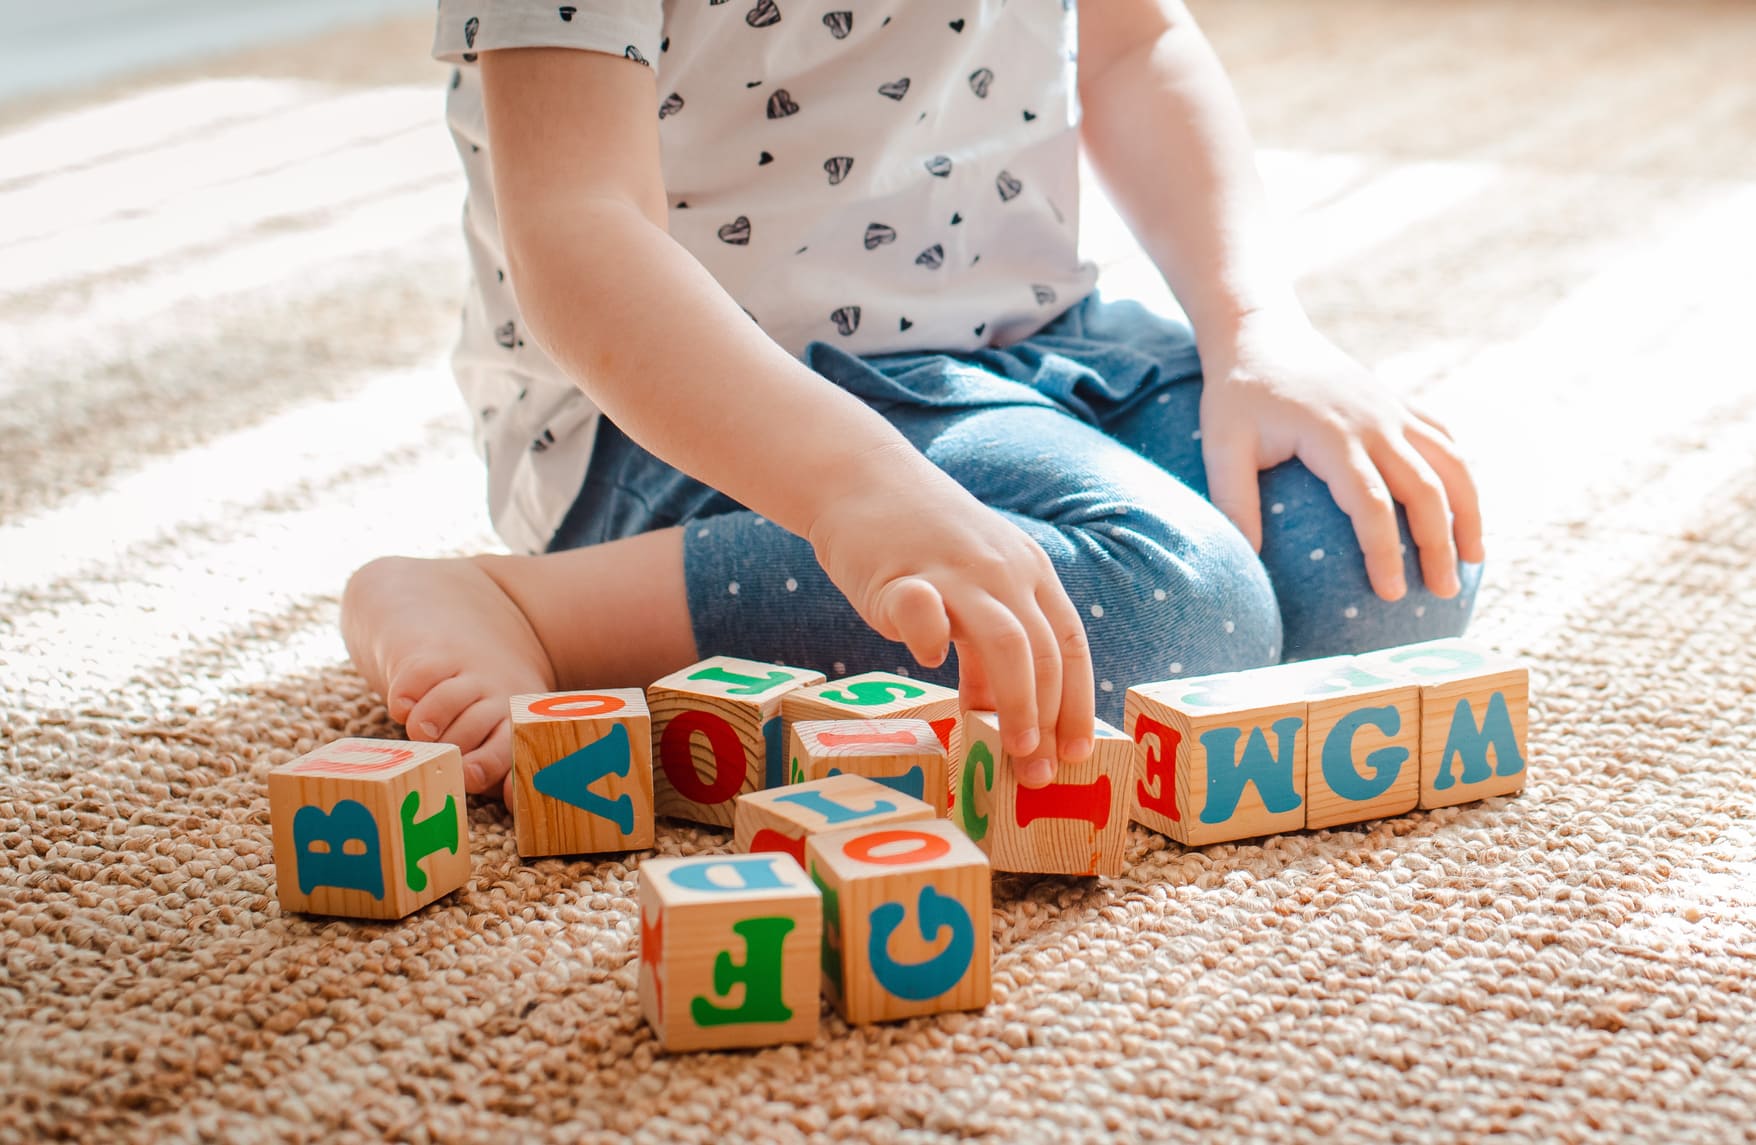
[779,818]
[716,732]
[1075,825]
[907,919]
[905,755]
[581,772]
[369,828]
[879,696]
[729,950]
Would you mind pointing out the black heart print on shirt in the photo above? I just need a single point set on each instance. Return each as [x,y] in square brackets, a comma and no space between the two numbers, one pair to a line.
[846,319]
[980,80]
[1045,294]
[932,258]
[838,168]
[736,232]
[877,234]
[766,14]
[470,27]
[781,105]
[939,165]
[567,11]
[1008,186]
[672,104]
[839,24]
[895,89]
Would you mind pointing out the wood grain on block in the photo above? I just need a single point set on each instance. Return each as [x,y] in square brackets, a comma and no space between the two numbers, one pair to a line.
[908,919]
[1363,745]
[581,772]
[779,818]
[717,732]
[1075,825]
[1474,717]
[881,695]
[729,951]
[369,828]
[903,754]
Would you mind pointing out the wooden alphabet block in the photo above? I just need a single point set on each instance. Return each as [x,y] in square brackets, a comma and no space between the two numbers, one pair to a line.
[779,818]
[729,950]
[907,919]
[1474,715]
[1363,744]
[1221,757]
[717,732]
[904,755]
[882,695]
[369,828]
[1076,825]
[581,772]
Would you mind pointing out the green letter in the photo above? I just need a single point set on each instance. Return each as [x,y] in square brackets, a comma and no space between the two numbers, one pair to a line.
[760,973]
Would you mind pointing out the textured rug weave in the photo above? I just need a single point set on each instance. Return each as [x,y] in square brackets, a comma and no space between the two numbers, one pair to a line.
[225,301]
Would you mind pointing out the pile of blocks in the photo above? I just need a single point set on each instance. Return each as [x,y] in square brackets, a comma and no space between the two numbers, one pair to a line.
[868,813]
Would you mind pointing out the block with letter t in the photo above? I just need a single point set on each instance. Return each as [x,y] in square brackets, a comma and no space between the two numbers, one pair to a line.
[903,754]
[581,772]
[779,818]
[717,732]
[369,828]
[907,919]
[1474,716]
[879,696]
[1075,825]
[729,950]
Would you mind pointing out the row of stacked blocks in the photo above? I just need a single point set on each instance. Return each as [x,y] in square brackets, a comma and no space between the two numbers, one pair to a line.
[868,812]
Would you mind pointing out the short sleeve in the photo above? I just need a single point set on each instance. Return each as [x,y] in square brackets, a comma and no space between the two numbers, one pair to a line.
[628,28]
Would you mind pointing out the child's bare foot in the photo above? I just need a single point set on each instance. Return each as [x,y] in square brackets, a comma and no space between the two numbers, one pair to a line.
[446,647]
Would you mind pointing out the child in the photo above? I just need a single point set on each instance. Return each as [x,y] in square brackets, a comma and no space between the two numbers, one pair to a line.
[805,368]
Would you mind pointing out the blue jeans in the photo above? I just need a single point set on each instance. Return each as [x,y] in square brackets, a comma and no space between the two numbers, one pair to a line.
[1086,436]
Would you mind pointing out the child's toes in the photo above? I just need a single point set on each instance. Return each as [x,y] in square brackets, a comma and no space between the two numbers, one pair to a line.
[440,708]
[411,682]
[490,765]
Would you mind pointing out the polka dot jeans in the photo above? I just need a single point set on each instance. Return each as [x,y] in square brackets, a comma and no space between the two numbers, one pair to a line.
[1087,435]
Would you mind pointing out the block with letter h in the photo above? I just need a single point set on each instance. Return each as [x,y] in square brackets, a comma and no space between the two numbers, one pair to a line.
[905,755]
[581,772]
[717,732]
[729,951]
[779,818]
[878,696]
[907,920]
[1075,825]
[369,828]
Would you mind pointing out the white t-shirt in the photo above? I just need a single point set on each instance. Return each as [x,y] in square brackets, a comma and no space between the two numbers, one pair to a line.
[882,175]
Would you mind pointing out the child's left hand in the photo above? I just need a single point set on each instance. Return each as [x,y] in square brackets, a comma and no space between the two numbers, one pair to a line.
[1281,390]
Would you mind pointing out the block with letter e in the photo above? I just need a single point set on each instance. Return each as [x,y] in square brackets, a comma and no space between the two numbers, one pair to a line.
[717,732]
[779,818]
[1076,824]
[1474,716]
[905,755]
[879,696]
[729,950]
[581,772]
[369,828]
[907,919]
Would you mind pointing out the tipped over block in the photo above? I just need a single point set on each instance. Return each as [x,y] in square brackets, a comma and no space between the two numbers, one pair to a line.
[1075,825]
[907,920]
[729,951]
[779,818]
[581,772]
[369,828]
[879,696]
[717,732]
[905,755]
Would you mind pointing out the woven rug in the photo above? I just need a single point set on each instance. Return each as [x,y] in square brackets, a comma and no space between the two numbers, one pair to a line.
[225,300]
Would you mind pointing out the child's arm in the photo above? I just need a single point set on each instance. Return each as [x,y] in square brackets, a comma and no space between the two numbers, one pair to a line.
[661,348]
[1163,128]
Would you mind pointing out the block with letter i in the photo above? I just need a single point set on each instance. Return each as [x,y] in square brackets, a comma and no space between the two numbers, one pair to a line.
[879,696]
[907,920]
[729,951]
[716,732]
[1363,745]
[581,772]
[369,828]
[779,818]
[1076,824]
[1474,717]
[904,755]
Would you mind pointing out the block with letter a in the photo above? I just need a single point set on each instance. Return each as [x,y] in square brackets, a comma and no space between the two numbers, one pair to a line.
[369,828]
[779,818]
[581,772]
[905,755]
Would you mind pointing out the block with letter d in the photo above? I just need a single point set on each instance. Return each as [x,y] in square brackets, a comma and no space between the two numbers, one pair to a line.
[907,919]
[905,755]
[779,818]
[369,828]
[1075,825]
[716,733]
[729,951]
[879,696]
[581,772]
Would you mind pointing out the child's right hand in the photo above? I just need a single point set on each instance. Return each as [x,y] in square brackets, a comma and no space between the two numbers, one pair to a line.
[934,566]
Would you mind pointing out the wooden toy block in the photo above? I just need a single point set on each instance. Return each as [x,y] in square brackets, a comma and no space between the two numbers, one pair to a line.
[907,919]
[1075,825]
[581,772]
[877,696]
[779,818]
[729,950]
[904,755]
[1474,717]
[1221,757]
[1363,739]
[369,828]
[717,732]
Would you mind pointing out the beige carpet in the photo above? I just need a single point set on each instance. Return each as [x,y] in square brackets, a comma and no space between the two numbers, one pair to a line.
[223,308]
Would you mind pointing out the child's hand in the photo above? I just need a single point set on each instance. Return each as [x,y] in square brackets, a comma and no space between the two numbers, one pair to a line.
[925,563]
[1282,390]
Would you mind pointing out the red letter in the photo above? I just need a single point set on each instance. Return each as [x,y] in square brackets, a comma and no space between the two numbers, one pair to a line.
[729,768]
[580,704]
[1161,766]
[840,739]
[324,762]
[1087,801]
[768,839]
[926,847]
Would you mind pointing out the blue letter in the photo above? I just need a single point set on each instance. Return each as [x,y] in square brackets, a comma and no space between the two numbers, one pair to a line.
[832,811]
[1338,755]
[569,778]
[348,822]
[753,872]
[1472,743]
[1272,773]
[918,981]
[911,782]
